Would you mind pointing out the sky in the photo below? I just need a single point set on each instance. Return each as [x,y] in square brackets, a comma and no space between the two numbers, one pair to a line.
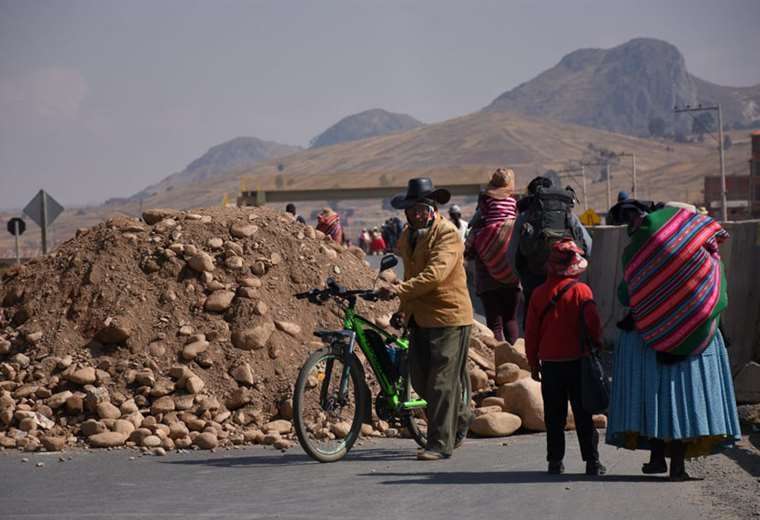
[101,98]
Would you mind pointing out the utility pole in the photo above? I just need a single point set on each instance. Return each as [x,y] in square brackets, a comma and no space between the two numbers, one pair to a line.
[581,168]
[634,181]
[609,182]
[723,192]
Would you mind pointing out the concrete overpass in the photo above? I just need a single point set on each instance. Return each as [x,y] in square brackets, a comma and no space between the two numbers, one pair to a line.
[262,197]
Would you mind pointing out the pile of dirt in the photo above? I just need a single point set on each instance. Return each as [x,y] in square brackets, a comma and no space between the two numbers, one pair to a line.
[179,330]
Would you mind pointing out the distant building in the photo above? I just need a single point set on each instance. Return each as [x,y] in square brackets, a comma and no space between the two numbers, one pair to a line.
[743,191]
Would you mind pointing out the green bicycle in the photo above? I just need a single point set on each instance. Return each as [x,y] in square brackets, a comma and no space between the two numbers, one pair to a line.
[332,399]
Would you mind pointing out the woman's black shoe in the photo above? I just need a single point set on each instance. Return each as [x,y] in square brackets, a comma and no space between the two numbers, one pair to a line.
[595,468]
[556,468]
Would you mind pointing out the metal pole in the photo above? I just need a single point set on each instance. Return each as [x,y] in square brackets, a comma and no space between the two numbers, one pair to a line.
[44,222]
[635,183]
[723,194]
[585,196]
[609,184]
[16,232]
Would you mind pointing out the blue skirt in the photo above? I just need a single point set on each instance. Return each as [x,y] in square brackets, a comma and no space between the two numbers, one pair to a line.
[692,400]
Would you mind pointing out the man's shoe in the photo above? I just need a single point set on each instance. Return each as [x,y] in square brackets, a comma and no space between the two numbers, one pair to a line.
[462,434]
[431,455]
[556,468]
[595,468]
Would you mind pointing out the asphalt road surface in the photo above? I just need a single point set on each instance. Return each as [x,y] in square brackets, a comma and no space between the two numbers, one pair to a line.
[497,478]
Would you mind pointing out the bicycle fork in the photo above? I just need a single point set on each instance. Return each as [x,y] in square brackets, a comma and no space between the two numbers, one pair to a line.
[344,349]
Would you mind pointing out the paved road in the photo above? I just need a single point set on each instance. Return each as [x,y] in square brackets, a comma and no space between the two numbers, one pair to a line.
[486,479]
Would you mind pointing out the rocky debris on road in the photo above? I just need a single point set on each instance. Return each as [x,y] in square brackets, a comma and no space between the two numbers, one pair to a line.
[176,332]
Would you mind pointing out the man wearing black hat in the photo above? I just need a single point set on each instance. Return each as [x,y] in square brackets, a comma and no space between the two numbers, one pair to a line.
[436,303]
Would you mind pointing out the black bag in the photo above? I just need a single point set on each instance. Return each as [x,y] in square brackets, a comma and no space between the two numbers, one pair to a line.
[595,387]
[547,220]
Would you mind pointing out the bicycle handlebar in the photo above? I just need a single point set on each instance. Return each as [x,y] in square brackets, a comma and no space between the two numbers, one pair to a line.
[334,290]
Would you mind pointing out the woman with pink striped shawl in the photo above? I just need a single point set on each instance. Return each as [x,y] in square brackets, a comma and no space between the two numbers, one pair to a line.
[495,283]
[672,390]
[328,222]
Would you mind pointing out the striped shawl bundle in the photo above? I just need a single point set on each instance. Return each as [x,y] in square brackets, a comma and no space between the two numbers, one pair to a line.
[675,283]
[492,240]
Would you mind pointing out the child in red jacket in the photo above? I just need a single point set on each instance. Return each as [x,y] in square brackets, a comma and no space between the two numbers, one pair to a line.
[553,346]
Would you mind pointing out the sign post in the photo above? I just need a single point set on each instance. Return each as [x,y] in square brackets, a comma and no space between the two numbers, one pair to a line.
[43,209]
[16,227]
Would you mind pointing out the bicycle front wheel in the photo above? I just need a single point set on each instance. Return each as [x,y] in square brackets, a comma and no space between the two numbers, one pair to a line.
[328,404]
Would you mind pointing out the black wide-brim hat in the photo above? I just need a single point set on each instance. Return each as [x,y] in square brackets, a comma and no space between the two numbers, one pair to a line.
[642,206]
[420,189]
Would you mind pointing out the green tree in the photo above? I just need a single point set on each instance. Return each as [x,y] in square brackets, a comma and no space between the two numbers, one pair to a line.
[703,124]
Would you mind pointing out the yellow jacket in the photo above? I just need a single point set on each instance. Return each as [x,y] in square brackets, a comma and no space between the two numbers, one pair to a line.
[434,290]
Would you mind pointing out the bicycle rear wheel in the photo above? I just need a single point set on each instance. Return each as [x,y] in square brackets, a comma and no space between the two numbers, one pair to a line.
[328,418]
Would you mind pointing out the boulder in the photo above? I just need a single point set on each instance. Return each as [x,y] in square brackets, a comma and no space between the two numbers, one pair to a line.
[83,376]
[238,398]
[206,441]
[107,440]
[507,373]
[496,424]
[115,331]
[253,338]
[162,405]
[201,262]
[478,379]
[219,301]
[155,215]
[53,442]
[242,374]
[506,353]
[280,426]
[485,410]
[55,401]
[290,328]
[492,401]
[243,230]
[523,398]
[91,427]
[191,350]
[194,384]
[123,426]
[106,410]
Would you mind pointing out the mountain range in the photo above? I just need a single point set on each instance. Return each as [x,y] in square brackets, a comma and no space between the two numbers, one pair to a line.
[624,88]
[370,123]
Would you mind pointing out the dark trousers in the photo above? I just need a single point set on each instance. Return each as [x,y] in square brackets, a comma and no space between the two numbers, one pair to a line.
[560,382]
[501,312]
[529,283]
[437,359]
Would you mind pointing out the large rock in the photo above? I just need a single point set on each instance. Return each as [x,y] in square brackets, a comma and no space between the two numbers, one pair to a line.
[107,410]
[288,327]
[107,440]
[242,374]
[162,405]
[55,401]
[191,350]
[156,215]
[506,353]
[507,373]
[194,384]
[523,398]
[83,376]
[243,230]
[206,441]
[478,379]
[253,338]
[201,262]
[495,424]
[115,331]
[238,398]
[747,383]
[280,426]
[219,301]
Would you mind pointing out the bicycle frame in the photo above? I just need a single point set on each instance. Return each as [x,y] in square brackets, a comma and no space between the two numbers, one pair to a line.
[355,325]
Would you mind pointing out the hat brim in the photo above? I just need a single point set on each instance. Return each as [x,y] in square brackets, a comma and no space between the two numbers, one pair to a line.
[440,196]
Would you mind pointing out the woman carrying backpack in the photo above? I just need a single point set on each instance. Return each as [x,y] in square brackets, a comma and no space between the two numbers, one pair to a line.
[495,283]
[672,390]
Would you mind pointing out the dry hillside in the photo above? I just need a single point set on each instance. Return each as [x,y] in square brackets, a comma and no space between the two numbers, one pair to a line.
[464,149]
